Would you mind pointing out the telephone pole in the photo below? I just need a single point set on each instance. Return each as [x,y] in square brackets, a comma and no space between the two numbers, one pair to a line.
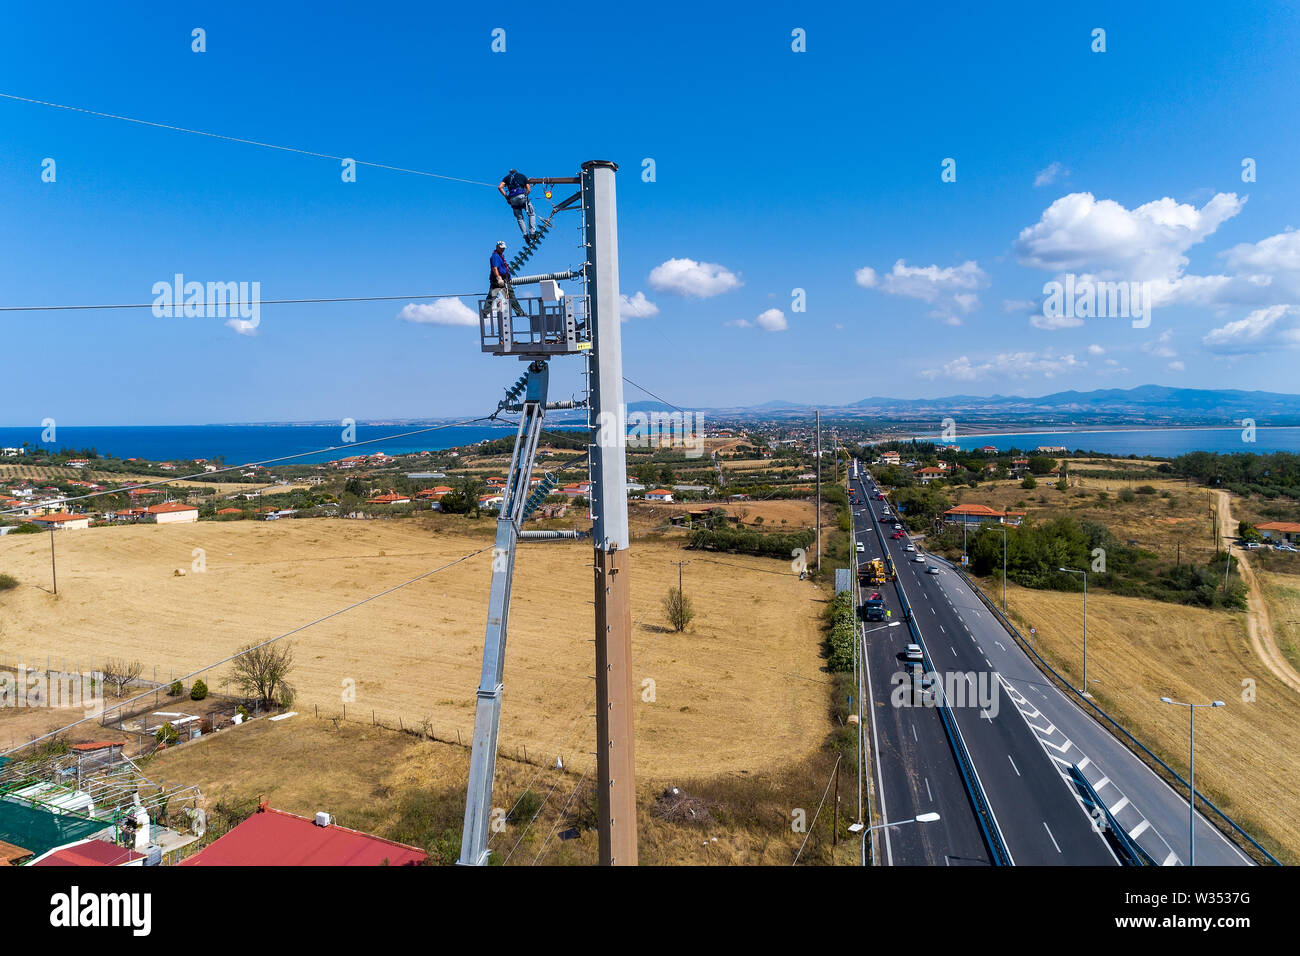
[819,488]
[680,565]
[615,765]
[54,570]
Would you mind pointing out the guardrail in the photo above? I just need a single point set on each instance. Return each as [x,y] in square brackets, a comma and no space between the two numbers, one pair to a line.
[989,829]
[1117,727]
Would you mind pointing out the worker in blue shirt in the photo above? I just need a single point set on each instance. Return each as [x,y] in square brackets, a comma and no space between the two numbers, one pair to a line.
[515,188]
[501,297]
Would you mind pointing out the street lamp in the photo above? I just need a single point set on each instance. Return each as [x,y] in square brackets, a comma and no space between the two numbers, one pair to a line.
[921,818]
[1004,569]
[1191,768]
[1084,691]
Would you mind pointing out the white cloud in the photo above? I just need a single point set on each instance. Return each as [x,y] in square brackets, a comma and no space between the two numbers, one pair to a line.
[1264,330]
[950,288]
[1048,176]
[439,312]
[1007,365]
[243,326]
[1160,347]
[772,320]
[1014,306]
[1040,321]
[687,277]
[1096,350]
[1176,367]
[1078,232]
[1280,253]
[636,307]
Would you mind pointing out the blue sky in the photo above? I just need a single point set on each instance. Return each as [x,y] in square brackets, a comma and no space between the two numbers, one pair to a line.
[775,170]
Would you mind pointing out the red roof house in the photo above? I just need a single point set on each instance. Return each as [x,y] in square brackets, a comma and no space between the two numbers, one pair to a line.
[275,838]
[89,853]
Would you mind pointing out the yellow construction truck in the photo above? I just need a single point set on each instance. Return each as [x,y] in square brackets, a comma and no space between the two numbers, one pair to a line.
[872,573]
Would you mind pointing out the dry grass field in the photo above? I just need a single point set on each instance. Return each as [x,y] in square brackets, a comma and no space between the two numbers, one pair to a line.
[741,690]
[1247,754]
[413,790]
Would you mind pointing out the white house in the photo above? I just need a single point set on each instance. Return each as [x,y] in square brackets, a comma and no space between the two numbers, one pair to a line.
[659,494]
[62,521]
[173,512]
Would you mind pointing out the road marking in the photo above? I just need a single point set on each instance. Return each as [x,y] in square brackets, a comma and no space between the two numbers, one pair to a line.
[1084,762]
[1171,859]
[1120,806]
[1049,833]
[986,660]
[1101,783]
[1013,765]
[914,737]
[985,715]
[954,652]
[932,609]
[1049,729]
[1140,829]
[927,790]
[941,630]
[999,644]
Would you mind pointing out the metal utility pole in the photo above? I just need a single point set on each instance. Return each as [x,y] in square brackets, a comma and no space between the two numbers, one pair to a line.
[1004,569]
[819,489]
[680,565]
[615,764]
[1191,769]
[54,569]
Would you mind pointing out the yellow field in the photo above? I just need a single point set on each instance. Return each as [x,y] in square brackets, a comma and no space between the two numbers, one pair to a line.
[741,690]
[1247,754]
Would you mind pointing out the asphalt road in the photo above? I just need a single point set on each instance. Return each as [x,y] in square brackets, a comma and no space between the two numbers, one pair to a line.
[1042,819]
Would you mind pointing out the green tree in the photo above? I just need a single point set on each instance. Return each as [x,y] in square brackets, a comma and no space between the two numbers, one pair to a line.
[678,609]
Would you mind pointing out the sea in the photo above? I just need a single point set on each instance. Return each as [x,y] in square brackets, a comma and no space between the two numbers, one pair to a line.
[250,444]
[1158,442]
[313,444]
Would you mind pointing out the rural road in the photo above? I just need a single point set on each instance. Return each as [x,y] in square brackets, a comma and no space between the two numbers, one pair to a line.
[1258,624]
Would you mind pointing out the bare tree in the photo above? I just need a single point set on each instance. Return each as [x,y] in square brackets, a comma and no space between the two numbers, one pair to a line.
[120,673]
[262,672]
[678,608]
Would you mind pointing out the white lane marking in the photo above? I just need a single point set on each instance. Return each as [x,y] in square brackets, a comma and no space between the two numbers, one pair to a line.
[954,652]
[927,790]
[985,715]
[932,609]
[1084,762]
[1049,833]
[941,630]
[987,662]
[1120,806]
[1104,781]
[1013,765]
[999,644]
[1140,829]
[1049,729]
[1171,859]
[914,737]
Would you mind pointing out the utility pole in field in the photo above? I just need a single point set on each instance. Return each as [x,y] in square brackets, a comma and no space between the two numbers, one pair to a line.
[819,489]
[615,766]
[54,570]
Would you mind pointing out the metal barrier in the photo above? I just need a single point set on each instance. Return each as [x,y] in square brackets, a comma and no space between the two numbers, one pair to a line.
[544,327]
[1118,728]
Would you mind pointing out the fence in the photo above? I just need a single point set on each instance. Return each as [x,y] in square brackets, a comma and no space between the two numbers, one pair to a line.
[1234,829]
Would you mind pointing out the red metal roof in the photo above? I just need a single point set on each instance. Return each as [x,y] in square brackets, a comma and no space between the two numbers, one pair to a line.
[90,853]
[96,745]
[275,838]
[169,508]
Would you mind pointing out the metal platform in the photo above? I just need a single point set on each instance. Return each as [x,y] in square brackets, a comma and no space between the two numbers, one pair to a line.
[548,326]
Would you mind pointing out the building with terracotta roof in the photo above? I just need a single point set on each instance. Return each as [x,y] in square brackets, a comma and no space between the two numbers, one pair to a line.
[392,498]
[928,474]
[274,838]
[62,521]
[1288,531]
[659,494]
[173,512]
[973,514]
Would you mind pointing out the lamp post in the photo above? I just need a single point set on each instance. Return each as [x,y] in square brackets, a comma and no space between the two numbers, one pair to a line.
[921,818]
[1004,569]
[1084,690]
[1191,769]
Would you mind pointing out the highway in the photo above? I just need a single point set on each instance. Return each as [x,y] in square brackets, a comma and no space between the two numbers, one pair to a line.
[1024,752]
[1041,817]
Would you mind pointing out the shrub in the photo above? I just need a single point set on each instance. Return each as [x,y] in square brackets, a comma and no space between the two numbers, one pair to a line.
[1126,495]
[8,582]
[1029,482]
[526,807]
[28,528]
[678,609]
[242,711]
[199,690]
[176,689]
[841,632]
[166,734]
[1145,489]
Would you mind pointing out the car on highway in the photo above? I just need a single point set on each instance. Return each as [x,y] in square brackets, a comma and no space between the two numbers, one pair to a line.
[897,526]
[861,548]
[919,559]
[913,652]
[910,547]
[898,534]
[932,570]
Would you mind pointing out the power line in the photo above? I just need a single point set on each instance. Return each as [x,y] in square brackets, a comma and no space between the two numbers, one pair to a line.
[254,647]
[247,142]
[653,395]
[261,302]
[252,464]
